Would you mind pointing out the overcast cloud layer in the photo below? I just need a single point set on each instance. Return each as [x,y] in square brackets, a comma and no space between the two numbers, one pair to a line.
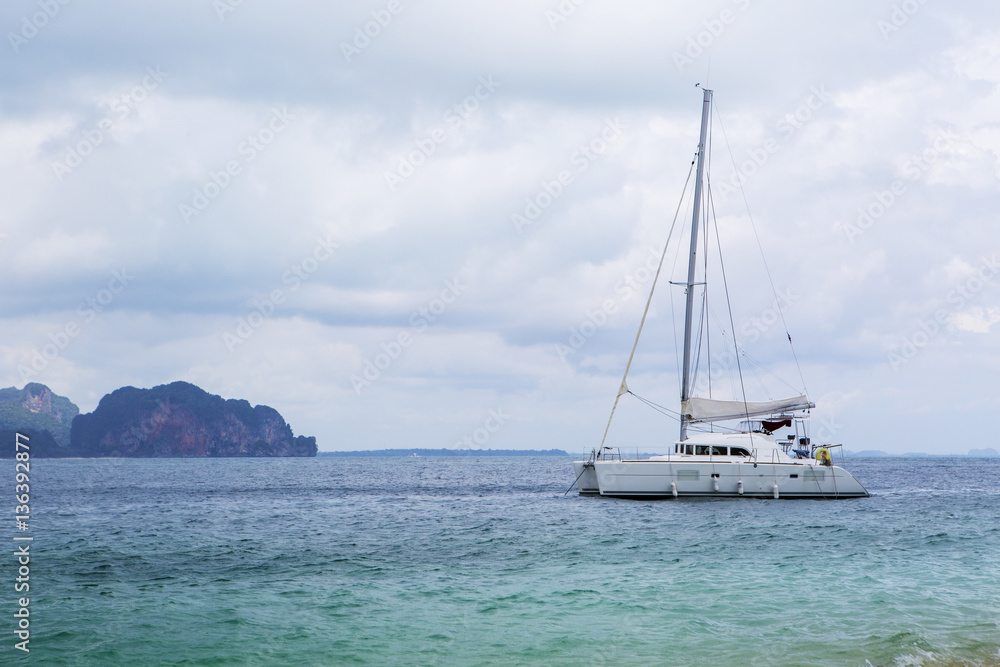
[315,206]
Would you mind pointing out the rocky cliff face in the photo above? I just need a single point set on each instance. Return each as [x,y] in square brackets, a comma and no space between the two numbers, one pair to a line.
[182,420]
[38,409]
[38,398]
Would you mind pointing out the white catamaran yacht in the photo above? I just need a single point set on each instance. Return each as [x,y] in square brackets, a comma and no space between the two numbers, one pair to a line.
[752,459]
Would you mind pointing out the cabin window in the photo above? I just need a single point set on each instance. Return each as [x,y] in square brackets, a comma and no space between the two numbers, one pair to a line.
[701,450]
[690,449]
[687,475]
[738,451]
[814,474]
[718,451]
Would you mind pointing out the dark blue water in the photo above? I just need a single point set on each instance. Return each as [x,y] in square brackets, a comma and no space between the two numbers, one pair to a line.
[483,561]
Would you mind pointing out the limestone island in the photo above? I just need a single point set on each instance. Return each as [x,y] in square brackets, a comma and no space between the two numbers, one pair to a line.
[172,420]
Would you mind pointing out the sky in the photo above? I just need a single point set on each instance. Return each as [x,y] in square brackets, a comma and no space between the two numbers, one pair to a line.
[430,223]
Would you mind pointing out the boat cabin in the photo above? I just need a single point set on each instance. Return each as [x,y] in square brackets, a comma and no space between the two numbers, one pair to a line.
[709,450]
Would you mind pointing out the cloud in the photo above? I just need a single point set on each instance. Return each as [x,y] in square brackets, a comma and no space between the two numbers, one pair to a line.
[150,111]
[976,320]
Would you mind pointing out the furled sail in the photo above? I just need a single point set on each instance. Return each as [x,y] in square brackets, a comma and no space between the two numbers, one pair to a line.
[710,410]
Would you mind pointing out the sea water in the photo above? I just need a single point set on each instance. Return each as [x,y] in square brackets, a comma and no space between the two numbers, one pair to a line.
[480,561]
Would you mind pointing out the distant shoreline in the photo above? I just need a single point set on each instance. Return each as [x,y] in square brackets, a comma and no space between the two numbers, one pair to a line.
[420,452]
[988,453]
[416,453]
[409,453]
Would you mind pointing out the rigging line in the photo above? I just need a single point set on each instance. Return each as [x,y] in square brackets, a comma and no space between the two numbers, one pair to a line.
[753,360]
[578,479]
[708,341]
[656,406]
[624,387]
[760,383]
[703,337]
[677,353]
[673,269]
[727,429]
[704,317]
[728,355]
[754,366]
[706,331]
[760,247]
[725,285]
[705,314]
[703,329]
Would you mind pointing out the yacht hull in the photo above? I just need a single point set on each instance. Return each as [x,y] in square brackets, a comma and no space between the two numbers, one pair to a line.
[586,478]
[703,479]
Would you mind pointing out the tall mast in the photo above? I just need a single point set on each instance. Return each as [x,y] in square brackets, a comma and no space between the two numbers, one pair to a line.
[686,380]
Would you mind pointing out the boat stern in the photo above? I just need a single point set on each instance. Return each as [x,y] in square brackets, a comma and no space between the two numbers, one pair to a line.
[586,478]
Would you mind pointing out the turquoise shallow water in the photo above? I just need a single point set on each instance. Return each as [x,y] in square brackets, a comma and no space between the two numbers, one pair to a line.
[462,561]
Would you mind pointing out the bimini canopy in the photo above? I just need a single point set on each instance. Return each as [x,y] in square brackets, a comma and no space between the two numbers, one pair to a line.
[710,410]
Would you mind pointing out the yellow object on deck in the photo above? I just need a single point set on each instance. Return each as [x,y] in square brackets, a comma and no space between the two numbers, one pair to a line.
[823,456]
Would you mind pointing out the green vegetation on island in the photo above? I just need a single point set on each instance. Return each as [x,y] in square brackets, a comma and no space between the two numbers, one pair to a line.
[35,408]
